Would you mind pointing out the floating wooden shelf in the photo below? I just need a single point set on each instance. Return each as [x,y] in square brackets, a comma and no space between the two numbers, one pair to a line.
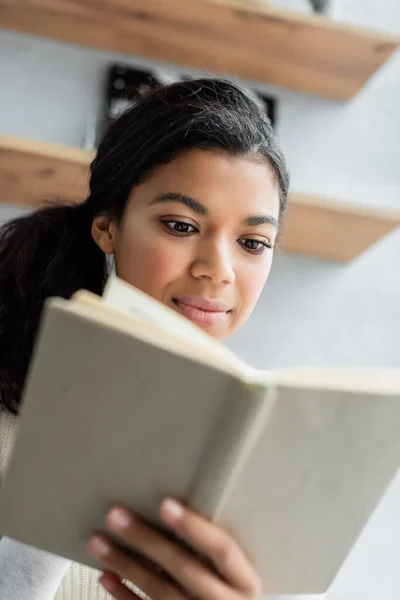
[33,172]
[245,38]
[333,230]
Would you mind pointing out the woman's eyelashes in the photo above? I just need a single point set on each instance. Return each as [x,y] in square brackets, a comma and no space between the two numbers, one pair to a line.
[255,246]
[184,229]
[179,228]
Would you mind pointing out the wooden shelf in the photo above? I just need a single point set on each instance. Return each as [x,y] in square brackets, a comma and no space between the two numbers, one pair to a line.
[245,38]
[333,230]
[33,172]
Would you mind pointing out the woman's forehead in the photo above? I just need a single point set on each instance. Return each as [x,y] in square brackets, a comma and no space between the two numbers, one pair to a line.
[220,181]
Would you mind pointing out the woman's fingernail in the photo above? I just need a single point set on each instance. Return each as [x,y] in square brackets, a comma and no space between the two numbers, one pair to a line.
[98,546]
[119,518]
[171,510]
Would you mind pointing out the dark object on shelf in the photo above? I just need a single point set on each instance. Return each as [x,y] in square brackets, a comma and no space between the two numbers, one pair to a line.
[270,104]
[124,84]
[321,6]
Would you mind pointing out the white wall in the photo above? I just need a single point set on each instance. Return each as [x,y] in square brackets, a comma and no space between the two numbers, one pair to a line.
[311,312]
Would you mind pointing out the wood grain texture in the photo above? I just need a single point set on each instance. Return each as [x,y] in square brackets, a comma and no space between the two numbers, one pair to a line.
[245,38]
[32,173]
[334,230]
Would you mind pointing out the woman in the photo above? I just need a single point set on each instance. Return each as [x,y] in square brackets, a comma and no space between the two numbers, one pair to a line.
[187,193]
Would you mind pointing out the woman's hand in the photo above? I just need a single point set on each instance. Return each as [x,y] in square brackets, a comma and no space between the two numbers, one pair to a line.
[231,578]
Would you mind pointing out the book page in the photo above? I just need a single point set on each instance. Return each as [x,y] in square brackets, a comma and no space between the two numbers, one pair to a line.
[357,379]
[152,320]
[319,467]
[125,420]
[145,309]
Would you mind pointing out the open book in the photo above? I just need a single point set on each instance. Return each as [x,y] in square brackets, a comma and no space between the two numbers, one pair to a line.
[126,402]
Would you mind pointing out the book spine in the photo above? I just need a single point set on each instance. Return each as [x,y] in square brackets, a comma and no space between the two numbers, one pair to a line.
[240,421]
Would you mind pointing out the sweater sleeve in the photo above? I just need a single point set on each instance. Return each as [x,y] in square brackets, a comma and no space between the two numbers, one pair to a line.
[27,573]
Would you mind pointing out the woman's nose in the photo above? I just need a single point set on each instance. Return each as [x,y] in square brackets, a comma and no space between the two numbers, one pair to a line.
[215,262]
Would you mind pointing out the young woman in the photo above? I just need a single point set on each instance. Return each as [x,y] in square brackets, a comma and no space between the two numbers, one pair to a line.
[187,193]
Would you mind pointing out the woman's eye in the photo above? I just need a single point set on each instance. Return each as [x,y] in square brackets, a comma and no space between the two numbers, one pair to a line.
[255,246]
[179,227]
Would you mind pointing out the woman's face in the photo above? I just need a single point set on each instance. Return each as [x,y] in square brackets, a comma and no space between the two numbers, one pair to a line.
[198,235]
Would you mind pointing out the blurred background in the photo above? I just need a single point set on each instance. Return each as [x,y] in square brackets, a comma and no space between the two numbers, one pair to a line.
[330,83]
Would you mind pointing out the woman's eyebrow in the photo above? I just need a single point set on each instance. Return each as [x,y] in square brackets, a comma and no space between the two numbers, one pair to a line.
[200,209]
[195,205]
[261,220]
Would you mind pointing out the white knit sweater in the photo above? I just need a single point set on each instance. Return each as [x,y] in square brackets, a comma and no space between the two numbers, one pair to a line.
[78,583]
[30,574]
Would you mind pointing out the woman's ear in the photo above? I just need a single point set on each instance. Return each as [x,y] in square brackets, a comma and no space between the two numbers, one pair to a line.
[104,231]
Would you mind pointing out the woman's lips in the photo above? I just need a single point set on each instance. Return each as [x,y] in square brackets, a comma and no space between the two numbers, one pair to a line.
[202,311]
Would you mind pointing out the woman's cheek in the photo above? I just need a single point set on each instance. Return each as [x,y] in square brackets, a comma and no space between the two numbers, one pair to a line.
[151,266]
[162,268]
